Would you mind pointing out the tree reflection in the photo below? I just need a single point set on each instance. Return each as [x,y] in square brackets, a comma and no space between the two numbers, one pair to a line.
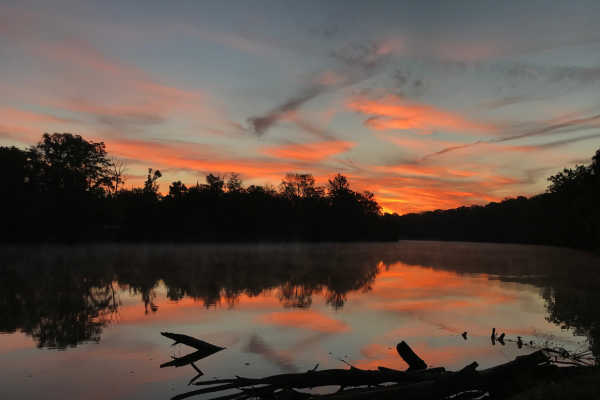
[59,309]
[575,305]
[64,296]
[568,279]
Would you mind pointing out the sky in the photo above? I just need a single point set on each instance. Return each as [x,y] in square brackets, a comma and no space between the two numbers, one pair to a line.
[427,104]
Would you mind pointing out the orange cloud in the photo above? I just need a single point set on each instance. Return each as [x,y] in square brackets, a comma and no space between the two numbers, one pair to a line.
[417,199]
[310,151]
[426,170]
[197,159]
[392,112]
[405,189]
[400,188]
[26,125]
[306,319]
[86,80]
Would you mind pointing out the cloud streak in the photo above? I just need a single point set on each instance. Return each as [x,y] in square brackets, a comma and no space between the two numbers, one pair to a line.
[283,360]
[570,125]
[392,112]
[359,62]
[312,152]
[556,128]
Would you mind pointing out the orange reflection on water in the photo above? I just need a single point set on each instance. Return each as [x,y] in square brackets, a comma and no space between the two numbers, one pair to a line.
[350,307]
[306,320]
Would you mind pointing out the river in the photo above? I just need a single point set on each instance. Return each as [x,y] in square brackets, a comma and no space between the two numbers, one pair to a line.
[84,322]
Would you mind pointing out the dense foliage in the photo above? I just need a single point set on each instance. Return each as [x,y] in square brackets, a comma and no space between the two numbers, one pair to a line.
[66,189]
[568,214]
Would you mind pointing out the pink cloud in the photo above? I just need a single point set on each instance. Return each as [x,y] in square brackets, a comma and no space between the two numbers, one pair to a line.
[310,151]
[79,77]
[200,158]
[392,112]
[26,125]
[306,319]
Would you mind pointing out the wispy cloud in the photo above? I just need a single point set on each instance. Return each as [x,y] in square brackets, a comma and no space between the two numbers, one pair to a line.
[21,125]
[392,112]
[449,149]
[358,63]
[85,80]
[507,101]
[308,152]
[283,360]
[574,124]
[555,144]
[563,127]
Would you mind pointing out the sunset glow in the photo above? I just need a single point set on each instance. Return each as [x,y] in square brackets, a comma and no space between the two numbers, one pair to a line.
[463,112]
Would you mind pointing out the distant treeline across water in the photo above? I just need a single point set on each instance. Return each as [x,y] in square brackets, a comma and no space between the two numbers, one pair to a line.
[66,189]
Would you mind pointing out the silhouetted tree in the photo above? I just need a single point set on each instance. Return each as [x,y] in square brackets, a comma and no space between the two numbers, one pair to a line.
[177,189]
[214,184]
[72,163]
[235,183]
[299,186]
[117,173]
[19,169]
[338,186]
[368,203]
[571,179]
[566,215]
[150,186]
[65,189]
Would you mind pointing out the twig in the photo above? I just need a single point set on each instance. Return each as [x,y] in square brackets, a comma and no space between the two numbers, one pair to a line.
[351,366]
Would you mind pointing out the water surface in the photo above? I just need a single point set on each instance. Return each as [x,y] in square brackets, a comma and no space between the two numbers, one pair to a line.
[84,322]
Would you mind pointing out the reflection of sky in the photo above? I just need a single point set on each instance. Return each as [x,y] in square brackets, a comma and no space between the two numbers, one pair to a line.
[427,104]
[428,308]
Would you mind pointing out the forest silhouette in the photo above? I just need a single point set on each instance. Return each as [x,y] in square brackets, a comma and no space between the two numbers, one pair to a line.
[567,214]
[66,189]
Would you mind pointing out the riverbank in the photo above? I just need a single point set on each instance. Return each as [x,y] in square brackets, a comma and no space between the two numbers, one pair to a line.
[582,386]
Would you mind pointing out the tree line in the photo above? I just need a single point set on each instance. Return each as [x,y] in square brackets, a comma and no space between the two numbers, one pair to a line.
[567,214]
[66,189]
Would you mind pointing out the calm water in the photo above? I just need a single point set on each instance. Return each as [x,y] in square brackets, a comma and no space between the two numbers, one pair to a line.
[84,322]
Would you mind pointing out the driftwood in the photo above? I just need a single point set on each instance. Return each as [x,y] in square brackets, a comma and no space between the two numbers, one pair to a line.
[435,383]
[495,337]
[192,342]
[453,383]
[189,359]
[409,356]
[203,350]
[498,382]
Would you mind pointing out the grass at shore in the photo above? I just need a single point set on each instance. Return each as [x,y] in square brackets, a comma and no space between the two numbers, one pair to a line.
[582,387]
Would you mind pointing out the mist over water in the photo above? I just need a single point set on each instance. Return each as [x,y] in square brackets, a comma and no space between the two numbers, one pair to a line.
[84,321]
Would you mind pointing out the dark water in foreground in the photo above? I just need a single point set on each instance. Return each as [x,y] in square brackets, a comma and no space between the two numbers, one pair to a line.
[84,322]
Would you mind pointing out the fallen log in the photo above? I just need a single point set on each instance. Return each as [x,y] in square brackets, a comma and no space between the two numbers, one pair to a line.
[190,358]
[406,385]
[463,380]
[408,355]
[192,342]
[436,370]
[500,379]
[416,383]
[468,379]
